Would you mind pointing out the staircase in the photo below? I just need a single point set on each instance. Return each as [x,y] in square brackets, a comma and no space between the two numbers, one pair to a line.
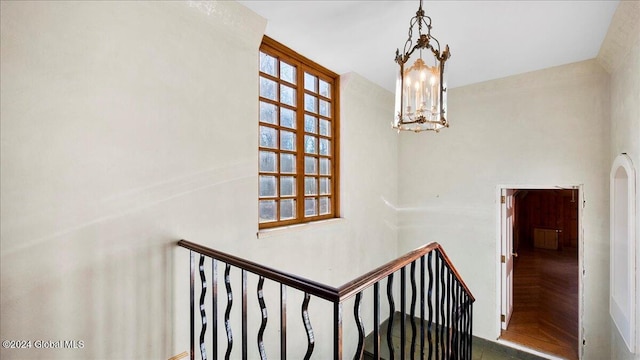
[422,284]
[482,349]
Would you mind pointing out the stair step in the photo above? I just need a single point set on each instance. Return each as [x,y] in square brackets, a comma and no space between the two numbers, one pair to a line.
[481,348]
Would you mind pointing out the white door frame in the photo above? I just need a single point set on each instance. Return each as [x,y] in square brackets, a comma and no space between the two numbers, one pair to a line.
[499,269]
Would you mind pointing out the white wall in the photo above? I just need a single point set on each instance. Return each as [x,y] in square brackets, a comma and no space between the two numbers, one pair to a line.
[621,56]
[126,126]
[543,128]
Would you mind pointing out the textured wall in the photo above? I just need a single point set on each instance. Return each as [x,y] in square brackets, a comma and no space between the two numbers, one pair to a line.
[621,54]
[127,126]
[544,128]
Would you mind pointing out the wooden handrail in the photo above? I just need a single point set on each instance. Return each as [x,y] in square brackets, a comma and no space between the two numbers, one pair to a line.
[327,292]
[356,285]
[309,286]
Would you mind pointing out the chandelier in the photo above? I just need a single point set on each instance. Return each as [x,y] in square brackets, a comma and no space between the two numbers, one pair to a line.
[421,92]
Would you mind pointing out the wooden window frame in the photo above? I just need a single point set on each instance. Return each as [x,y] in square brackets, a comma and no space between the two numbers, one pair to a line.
[302,65]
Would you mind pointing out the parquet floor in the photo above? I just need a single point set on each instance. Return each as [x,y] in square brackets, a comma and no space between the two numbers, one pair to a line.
[545,292]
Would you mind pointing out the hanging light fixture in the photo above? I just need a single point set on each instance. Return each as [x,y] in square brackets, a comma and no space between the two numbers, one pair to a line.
[421,91]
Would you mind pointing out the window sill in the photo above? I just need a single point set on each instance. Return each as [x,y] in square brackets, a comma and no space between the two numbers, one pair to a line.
[283,230]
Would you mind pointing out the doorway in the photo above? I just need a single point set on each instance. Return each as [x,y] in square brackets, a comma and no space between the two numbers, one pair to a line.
[540,262]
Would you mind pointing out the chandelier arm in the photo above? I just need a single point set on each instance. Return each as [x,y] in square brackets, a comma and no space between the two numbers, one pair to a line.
[443,119]
[440,55]
[432,48]
[409,42]
[436,52]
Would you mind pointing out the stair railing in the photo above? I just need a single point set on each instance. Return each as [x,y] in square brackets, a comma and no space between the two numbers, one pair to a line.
[441,330]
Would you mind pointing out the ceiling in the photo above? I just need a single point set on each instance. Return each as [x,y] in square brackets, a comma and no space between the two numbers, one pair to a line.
[488,39]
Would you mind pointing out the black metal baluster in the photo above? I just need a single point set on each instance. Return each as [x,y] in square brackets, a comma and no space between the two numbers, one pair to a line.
[244,315]
[465,326]
[430,304]
[360,325]
[337,331]
[449,312]
[470,328]
[214,307]
[459,327]
[192,316]
[307,326]
[455,311]
[203,314]
[376,320]
[469,332]
[437,303]
[445,312]
[422,272]
[452,313]
[463,319]
[443,319]
[227,312]
[454,319]
[403,311]
[263,323]
[392,310]
[283,322]
[413,309]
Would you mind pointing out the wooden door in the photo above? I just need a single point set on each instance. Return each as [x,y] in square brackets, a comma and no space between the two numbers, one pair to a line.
[507,220]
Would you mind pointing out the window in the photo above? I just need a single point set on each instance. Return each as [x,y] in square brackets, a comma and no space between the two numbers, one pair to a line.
[298,138]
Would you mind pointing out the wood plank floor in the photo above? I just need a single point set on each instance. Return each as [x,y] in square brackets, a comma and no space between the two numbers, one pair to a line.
[545,312]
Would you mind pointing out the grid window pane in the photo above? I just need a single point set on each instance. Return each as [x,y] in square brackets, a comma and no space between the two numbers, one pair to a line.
[268,161]
[287,95]
[268,88]
[267,210]
[287,72]
[287,118]
[310,185]
[310,165]
[267,186]
[325,108]
[287,140]
[310,207]
[325,205]
[287,209]
[268,64]
[325,89]
[310,144]
[268,137]
[310,82]
[310,124]
[325,147]
[325,127]
[325,166]
[268,113]
[287,163]
[287,186]
[325,186]
[310,103]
